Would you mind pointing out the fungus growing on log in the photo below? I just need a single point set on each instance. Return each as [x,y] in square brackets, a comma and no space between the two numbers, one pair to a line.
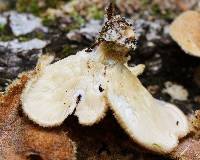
[95,79]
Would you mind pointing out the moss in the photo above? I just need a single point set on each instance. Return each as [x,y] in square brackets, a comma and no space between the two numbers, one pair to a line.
[5,33]
[48,21]
[165,14]
[52,3]
[155,10]
[31,6]
[27,37]
[91,11]
[2,27]
[79,20]
[145,2]
[23,38]
[6,38]
[94,12]
[37,7]
[169,15]
[40,35]
[68,50]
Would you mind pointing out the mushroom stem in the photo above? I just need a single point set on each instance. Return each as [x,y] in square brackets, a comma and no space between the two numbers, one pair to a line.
[117,37]
[112,52]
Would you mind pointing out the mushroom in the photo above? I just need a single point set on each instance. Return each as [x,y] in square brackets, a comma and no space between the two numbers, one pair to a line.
[185,30]
[56,90]
[154,124]
[22,140]
[87,83]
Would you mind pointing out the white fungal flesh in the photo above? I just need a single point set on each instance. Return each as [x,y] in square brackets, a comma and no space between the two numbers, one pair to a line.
[50,97]
[44,101]
[92,105]
[154,124]
[137,70]
[185,30]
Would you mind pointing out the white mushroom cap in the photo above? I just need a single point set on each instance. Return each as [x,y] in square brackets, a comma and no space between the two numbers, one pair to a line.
[185,30]
[63,86]
[154,124]
[92,106]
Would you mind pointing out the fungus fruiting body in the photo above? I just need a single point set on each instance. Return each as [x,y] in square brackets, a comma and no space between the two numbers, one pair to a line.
[90,82]
[20,139]
[185,30]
